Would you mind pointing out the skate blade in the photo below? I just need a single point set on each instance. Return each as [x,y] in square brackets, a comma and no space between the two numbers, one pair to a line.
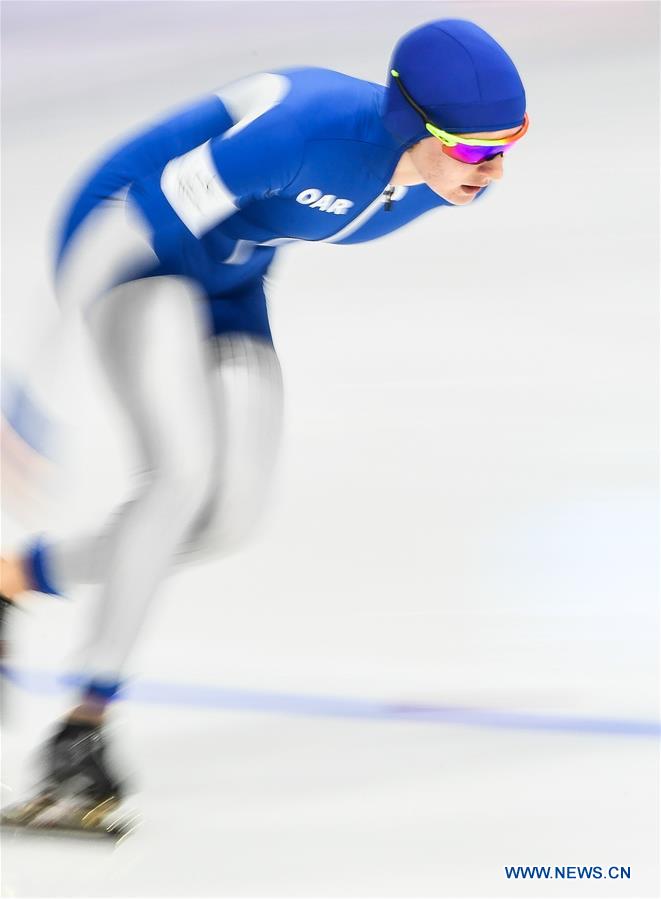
[21,814]
[46,816]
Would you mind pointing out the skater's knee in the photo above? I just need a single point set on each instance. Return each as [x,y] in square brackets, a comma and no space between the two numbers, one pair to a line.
[185,483]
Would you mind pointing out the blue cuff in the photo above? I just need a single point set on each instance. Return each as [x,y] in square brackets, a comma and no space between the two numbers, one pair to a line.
[101,690]
[37,561]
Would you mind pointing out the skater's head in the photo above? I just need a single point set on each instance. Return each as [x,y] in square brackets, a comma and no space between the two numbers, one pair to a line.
[457,104]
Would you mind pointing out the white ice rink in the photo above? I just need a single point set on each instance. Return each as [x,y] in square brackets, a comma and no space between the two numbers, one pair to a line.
[442,655]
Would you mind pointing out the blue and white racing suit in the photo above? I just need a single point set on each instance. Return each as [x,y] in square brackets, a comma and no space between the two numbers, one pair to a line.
[167,242]
[295,155]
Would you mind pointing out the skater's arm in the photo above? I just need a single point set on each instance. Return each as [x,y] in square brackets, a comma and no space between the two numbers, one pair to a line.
[211,182]
[253,160]
[256,149]
[142,153]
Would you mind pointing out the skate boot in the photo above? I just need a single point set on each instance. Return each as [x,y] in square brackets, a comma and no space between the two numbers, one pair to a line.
[5,611]
[79,795]
[5,607]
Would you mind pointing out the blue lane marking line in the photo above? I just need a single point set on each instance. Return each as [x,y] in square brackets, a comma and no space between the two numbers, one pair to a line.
[194,696]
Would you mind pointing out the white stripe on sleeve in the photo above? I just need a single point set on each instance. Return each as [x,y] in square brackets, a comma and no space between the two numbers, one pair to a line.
[196,191]
[248,98]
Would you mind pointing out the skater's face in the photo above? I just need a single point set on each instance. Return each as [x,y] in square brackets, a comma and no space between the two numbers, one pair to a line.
[457,182]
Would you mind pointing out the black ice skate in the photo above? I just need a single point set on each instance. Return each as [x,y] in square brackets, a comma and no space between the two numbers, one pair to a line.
[79,795]
[5,606]
[5,610]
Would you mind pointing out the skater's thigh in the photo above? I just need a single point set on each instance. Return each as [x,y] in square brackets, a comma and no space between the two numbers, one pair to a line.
[110,246]
[152,340]
[247,382]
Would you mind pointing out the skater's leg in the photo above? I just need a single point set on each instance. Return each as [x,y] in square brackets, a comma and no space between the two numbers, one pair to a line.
[247,395]
[248,398]
[248,388]
[152,340]
[111,242]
